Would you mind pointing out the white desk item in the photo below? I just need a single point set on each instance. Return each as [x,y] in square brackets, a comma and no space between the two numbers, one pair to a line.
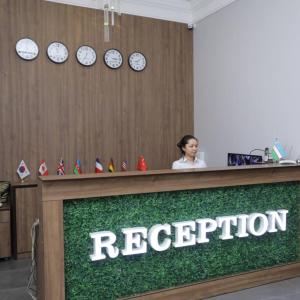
[287,162]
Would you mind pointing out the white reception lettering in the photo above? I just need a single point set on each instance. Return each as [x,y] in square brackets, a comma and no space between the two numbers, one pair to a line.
[187,233]
[204,226]
[183,235]
[133,240]
[153,235]
[103,239]
[277,219]
[261,227]
[225,224]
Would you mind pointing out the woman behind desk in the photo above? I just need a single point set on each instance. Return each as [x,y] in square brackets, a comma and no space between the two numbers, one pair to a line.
[188,146]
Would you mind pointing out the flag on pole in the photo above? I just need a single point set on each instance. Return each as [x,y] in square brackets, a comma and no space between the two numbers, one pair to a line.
[142,165]
[98,166]
[278,152]
[124,165]
[77,169]
[43,171]
[22,170]
[111,166]
[60,168]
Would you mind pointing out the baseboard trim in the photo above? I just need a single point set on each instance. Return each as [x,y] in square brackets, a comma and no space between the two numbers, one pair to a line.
[224,285]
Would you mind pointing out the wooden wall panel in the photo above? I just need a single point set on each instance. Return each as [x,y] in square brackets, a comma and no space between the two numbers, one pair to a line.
[26,213]
[5,241]
[50,111]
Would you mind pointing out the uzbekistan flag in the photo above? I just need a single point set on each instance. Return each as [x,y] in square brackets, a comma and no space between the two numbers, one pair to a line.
[278,152]
[98,166]
[22,170]
[77,169]
[111,166]
[43,171]
[60,168]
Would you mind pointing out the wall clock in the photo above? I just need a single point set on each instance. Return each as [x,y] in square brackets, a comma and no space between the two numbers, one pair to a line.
[137,61]
[86,55]
[57,52]
[27,48]
[113,58]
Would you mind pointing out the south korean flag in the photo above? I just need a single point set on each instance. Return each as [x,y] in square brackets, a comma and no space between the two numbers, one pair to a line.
[23,171]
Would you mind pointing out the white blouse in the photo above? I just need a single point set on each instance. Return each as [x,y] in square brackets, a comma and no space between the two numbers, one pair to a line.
[183,163]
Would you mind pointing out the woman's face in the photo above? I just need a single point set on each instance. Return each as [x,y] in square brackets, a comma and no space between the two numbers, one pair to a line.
[191,148]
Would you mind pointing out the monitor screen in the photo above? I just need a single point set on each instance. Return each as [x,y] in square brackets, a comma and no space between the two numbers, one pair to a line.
[238,159]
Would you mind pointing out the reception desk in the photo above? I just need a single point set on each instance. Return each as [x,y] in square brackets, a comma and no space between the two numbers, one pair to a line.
[167,234]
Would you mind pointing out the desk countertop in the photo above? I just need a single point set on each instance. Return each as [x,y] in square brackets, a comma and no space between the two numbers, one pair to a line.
[160,172]
[136,182]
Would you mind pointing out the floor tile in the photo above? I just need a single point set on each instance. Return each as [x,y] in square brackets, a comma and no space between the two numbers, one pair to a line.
[282,290]
[12,264]
[14,294]
[14,278]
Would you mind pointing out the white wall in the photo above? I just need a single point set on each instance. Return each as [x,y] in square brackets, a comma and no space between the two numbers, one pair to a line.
[247,78]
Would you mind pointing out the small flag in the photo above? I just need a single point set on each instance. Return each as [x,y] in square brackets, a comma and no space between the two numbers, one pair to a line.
[98,166]
[111,166]
[60,168]
[43,171]
[23,171]
[77,169]
[278,152]
[142,165]
[124,166]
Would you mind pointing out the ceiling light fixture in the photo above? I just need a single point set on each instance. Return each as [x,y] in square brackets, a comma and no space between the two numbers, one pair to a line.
[110,7]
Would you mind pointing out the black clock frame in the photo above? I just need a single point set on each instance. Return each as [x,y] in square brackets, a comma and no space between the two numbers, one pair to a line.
[57,62]
[110,66]
[82,63]
[27,59]
[130,64]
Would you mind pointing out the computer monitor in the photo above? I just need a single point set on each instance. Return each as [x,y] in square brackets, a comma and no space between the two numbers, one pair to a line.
[238,159]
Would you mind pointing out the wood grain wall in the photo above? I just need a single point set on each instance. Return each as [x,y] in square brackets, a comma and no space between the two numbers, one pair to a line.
[50,111]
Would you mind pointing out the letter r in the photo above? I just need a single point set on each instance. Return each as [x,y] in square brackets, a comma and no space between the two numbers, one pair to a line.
[103,239]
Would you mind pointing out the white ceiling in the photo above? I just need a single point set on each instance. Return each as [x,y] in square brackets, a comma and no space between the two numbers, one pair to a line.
[184,11]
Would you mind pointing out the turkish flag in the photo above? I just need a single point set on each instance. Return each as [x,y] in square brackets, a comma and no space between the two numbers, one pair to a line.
[142,165]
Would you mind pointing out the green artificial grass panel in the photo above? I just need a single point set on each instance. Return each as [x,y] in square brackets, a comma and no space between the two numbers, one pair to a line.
[129,275]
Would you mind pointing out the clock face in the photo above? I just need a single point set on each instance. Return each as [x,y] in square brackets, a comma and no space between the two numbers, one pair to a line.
[137,61]
[57,52]
[86,55]
[113,58]
[27,49]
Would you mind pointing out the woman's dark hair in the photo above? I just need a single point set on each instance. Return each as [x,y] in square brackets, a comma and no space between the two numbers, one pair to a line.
[181,144]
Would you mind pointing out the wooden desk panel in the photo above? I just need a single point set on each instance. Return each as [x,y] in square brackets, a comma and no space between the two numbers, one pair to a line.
[54,190]
[24,212]
[5,241]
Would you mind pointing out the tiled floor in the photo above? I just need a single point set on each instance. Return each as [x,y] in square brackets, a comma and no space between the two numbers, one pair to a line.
[283,290]
[14,277]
